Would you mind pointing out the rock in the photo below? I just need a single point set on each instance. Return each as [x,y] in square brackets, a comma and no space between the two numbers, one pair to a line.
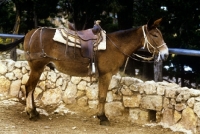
[197,108]
[92,92]
[18,73]
[3,68]
[10,76]
[168,116]
[15,88]
[183,96]
[109,97]
[18,64]
[138,116]
[126,91]
[52,96]
[177,116]
[179,107]
[83,101]
[160,90]
[191,102]
[4,84]
[93,104]
[75,80]
[132,101]
[115,82]
[52,76]
[59,82]
[149,87]
[25,78]
[170,92]
[114,109]
[189,119]
[152,102]
[69,95]
[82,85]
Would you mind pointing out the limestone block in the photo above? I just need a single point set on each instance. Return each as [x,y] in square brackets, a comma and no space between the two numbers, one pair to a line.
[25,78]
[49,84]
[116,96]
[189,119]
[170,92]
[152,102]
[82,85]
[42,85]
[134,87]
[168,116]
[191,102]
[130,80]
[15,88]
[52,96]
[52,76]
[69,95]
[59,82]
[177,116]
[194,92]
[181,106]
[75,80]
[10,76]
[64,85]
[25,64]
[126,91]
[132,101]
[80,94]
[43,76]
[24,70]
[166,102]
[93,104]
[38,93]
[83,101]
[183,96]
[18,64]
[160,90]
[150,87]
[109,97]
[115,82]
[197,108]
[114,109]
[11,65]
[138,116]
[4,84]
[18,73]
[197,99]
[92,92]
[3,68]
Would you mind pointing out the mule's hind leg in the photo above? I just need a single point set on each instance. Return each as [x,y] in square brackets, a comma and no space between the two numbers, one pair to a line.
[36,70]
[104,82]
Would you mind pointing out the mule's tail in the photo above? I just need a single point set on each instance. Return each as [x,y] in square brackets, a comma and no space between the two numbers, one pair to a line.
[11,45]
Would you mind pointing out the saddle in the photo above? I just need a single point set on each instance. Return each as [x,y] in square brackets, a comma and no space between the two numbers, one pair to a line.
[87,39]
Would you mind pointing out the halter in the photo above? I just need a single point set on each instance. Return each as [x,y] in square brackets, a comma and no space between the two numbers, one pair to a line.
[147,44]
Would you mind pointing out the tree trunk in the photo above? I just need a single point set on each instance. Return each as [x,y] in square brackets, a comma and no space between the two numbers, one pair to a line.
[13,53]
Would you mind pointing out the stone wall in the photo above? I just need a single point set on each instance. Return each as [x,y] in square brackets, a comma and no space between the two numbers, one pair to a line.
[136,101]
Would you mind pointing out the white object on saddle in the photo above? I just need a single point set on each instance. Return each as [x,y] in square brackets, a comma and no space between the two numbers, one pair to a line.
[59,38]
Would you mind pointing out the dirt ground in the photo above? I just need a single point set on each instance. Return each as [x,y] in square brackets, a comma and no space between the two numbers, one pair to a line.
[13,120]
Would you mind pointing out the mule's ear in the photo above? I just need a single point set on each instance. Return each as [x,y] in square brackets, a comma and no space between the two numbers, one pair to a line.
[153,24]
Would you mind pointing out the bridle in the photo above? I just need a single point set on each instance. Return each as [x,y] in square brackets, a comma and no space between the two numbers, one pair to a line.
[147,45]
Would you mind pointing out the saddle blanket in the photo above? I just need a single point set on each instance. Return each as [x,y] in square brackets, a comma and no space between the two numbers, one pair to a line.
[59,38]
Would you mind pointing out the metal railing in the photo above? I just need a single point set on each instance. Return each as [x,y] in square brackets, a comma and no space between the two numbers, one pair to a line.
[187,52]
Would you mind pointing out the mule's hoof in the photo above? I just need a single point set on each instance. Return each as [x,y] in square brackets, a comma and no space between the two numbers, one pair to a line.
[105,123]
[33,115]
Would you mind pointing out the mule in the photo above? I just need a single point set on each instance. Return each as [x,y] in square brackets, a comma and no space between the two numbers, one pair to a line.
[120,45]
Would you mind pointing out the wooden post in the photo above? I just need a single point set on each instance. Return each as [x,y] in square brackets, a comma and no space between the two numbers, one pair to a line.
[158,65]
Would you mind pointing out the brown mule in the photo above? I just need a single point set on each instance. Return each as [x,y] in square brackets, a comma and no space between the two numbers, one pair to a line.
[120,45]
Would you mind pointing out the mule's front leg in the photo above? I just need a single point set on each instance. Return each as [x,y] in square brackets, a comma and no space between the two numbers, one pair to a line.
[104,82]
[30,106]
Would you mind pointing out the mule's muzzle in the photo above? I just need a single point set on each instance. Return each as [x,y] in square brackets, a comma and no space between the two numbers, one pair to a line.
[164,55]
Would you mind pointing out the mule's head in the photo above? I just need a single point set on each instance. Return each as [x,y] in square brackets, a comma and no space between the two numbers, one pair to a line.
[153,40]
